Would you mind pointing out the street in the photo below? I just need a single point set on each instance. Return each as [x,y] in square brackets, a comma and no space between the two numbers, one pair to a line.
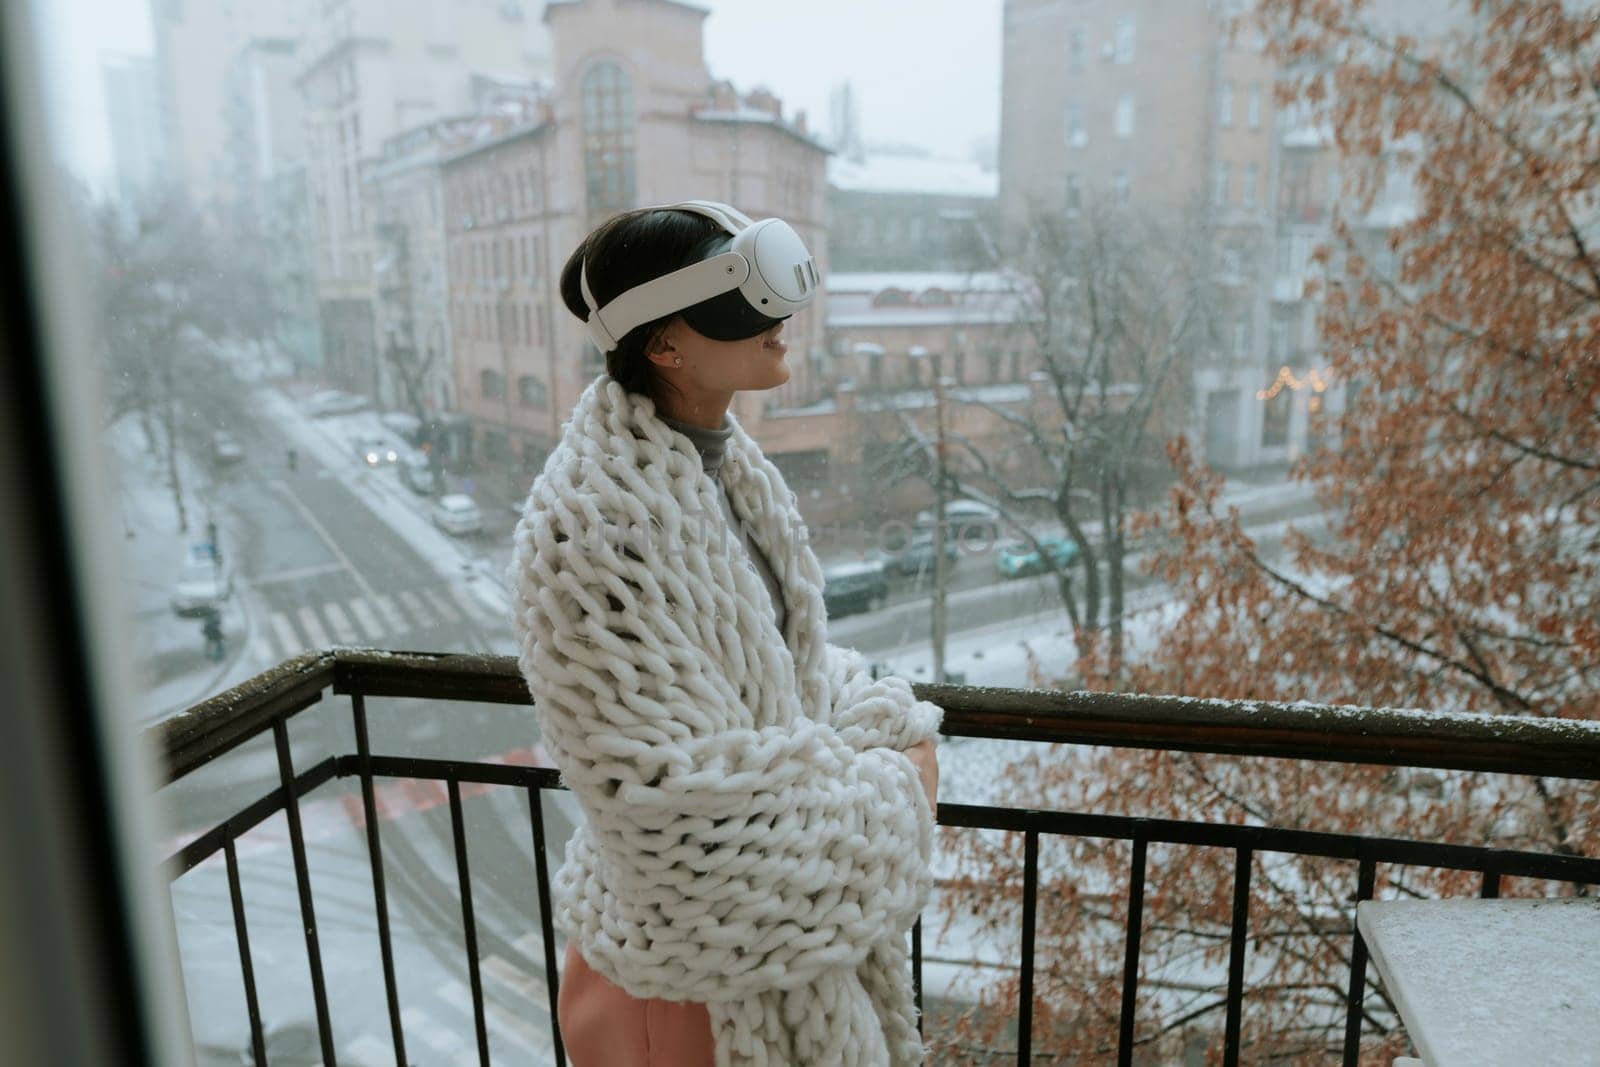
[316,567]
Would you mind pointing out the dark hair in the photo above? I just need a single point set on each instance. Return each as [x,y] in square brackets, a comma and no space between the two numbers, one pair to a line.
[628,250]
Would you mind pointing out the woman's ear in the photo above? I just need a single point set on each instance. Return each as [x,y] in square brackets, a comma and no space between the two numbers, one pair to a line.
[660,348]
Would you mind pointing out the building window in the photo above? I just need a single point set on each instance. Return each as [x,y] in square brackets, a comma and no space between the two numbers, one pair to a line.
[1253,106]
[1251,176]
[1225,104]
[1077,136]
[1124,120]
[1219,187]
[1279,341]
[608,149]
[1125,39]
[889,298]
[531,391]
[491,386]
[1121,186]
[1275,420]
[1230,262]
[1241,338]
[1074,193]
[496,446]
[1077,44]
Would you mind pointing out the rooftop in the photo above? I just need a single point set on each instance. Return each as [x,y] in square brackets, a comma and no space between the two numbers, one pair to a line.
[912,174]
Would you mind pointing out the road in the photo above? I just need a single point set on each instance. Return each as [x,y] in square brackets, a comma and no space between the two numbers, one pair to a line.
[316,567]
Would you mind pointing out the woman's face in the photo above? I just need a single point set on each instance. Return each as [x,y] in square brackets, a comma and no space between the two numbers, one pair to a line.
[712,369]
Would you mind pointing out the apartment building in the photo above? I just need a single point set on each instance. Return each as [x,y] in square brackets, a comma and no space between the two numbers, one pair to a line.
[370,70]
[1168,110]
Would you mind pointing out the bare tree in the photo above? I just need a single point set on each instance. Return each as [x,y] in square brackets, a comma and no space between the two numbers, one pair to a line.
[1112,310]
[169,289]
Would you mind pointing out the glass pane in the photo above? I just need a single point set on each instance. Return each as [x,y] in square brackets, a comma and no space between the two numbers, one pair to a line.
[1183,349]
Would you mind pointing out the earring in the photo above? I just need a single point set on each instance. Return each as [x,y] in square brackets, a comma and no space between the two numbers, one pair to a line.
[677,360]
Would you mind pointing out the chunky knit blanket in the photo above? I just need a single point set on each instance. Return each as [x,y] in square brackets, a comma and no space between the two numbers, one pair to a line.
[755,838]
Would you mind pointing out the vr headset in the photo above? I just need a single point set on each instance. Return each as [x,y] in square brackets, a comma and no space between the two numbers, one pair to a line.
[743,282]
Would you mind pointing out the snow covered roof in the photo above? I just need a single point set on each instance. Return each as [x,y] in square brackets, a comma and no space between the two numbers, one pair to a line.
[923,317]
[974,298]
[910,174]
[746,113]
[917,281]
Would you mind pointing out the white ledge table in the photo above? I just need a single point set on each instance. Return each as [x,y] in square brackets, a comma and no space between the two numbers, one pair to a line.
[1491,983]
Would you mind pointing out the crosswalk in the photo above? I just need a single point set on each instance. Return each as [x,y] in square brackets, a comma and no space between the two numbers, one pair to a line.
[516,1016]
[359,620]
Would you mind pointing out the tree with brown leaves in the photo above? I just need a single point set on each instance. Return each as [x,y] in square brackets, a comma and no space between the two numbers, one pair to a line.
[1463,572]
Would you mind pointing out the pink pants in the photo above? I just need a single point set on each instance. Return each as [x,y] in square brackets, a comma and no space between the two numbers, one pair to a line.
[604,1026]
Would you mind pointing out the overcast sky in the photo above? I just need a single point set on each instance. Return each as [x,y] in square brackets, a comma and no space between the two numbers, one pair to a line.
[925,72]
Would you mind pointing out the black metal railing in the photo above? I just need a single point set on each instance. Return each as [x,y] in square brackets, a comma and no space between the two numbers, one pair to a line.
[1543,748]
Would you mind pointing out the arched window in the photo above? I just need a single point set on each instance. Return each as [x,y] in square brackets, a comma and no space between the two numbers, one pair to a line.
[491,385]
[891,298]
[608,138]
[935,297]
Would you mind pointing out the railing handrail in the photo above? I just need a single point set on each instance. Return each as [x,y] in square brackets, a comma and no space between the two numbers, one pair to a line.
[1557,748]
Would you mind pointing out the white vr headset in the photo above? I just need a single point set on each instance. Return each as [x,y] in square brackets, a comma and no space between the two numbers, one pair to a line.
[746,284]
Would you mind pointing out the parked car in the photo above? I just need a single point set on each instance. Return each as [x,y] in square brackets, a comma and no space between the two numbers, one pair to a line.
[457,514]
[375,449]
[966,522]
[225,448]
[416,471]
[848,588]
[204,582]
[335,402]
[1018,559]
[915,556]
[960,511]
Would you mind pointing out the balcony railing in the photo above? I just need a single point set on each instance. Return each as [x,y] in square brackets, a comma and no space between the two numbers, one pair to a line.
[268,702]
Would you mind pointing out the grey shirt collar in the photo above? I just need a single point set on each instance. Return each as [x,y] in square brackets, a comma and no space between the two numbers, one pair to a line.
[712,444]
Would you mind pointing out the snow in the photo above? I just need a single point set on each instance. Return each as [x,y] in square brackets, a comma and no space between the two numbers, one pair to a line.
[917,281]
[912,174]
[930,316]
[1491,981]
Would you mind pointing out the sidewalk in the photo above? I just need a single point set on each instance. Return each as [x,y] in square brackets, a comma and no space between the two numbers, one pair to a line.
[168,650]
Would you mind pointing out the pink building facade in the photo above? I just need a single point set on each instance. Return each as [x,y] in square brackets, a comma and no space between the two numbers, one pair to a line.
[634,118]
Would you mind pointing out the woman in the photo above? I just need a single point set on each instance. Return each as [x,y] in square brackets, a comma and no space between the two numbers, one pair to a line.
[760,810]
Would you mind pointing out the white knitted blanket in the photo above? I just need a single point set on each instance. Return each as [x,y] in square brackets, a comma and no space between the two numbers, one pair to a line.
[755,839]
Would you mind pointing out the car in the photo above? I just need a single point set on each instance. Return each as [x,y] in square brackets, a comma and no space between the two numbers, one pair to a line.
[915,554]
[225,448]
[848,588]
[335,402]
[457,514]
[375,449]
[961,511]
[204,582]
[416,471]
[966,522]
[1018,559]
